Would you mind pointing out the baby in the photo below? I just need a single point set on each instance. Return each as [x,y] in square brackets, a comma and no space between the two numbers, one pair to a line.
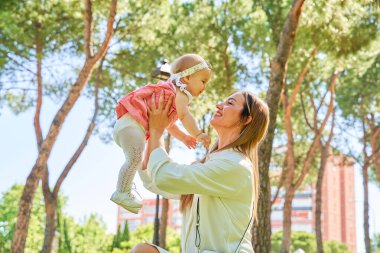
[190,74]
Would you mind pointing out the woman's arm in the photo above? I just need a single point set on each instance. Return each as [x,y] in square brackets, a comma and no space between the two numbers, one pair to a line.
[148,184]
[223,176]
[158,121]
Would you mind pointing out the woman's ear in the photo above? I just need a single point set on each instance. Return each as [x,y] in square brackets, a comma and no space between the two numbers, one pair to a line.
[248,120]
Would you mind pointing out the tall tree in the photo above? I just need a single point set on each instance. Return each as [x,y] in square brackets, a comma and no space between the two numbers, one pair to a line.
[46,144]
[262,230]
[292,181]
[324,148]
[359,101]
[51,196]
[318,29]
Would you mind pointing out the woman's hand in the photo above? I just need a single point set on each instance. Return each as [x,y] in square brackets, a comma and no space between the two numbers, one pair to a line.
[158,115]
[158,121]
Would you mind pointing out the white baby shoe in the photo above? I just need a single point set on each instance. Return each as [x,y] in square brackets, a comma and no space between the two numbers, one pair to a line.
[127,200]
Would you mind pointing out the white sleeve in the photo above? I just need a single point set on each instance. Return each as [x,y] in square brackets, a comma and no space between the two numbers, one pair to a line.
[217,177]
[148,184]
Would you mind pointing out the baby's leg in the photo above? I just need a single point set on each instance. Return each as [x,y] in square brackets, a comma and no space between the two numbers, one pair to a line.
[132,141]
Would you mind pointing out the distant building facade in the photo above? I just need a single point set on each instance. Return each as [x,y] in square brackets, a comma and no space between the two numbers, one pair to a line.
[338,204]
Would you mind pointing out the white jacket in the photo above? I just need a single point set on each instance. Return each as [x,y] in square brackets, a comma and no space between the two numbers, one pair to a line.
[224,187]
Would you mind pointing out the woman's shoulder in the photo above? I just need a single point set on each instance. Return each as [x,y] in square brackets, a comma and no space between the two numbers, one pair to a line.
[231,156]
[228,154]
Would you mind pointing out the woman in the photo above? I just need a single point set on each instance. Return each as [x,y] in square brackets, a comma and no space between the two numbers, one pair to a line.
[217,194]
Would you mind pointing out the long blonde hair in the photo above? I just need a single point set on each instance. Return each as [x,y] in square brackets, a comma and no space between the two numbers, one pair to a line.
[247,143]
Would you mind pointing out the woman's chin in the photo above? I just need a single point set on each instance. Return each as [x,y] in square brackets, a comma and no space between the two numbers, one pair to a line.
[214,121]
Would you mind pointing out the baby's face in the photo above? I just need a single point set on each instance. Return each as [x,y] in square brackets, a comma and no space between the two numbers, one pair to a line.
[197,81]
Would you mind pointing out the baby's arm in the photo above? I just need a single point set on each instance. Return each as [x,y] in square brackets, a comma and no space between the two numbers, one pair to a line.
[176,132]
[188,140]
[181,102]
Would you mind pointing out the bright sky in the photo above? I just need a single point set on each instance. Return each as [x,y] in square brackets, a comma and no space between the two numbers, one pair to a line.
[93,178]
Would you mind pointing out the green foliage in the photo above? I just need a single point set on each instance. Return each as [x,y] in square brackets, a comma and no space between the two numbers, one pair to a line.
[331,27]
[358,97]
[335,247]
[373,177]
[300,239]
[87,236]
[120,240]
[361,85]
[215,33]
[57,27]
[307,242]
[8,213]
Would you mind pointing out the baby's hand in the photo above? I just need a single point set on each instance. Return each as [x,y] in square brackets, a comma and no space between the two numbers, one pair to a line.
[190,141]
[205,139]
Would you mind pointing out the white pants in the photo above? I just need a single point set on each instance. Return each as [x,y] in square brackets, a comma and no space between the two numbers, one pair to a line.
[130,136]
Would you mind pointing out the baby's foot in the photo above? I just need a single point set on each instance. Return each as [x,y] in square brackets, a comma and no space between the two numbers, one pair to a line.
[127,200]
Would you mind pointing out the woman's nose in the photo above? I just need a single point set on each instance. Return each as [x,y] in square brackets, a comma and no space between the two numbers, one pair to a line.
[219,106]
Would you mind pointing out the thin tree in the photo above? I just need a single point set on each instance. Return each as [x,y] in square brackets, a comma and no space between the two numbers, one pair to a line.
[324,153]
[371,133]
[38,170]
[292,181]
[359,101]
[51,196]
[165,203]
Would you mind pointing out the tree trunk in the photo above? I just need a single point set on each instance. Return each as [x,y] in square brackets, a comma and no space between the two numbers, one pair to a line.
[164,222]
[25,204]
[50,226]
[261,230]
[287,222]
[39,54]
[51,197]
[367,239]
[31,184]
[318,200]
[165,203]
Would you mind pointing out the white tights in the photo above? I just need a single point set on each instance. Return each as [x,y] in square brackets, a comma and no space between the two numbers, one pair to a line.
[132,141]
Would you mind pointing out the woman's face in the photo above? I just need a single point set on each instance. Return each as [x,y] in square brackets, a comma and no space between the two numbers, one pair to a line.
[228,112]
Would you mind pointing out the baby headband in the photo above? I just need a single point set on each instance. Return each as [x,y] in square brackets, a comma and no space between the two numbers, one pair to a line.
[177,77]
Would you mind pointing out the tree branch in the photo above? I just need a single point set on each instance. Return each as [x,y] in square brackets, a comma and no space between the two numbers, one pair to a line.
[20,65]
[281,181]
[111,17]
[88,29]
[310,153]
[301,78]
[88,134]
[364,138]
[304,112]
